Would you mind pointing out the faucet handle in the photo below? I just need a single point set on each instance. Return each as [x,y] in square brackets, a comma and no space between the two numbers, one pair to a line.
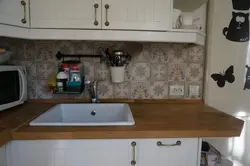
[88,82]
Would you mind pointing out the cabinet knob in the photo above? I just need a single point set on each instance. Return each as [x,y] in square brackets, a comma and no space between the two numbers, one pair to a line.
[24,21]
[107,6]
[107,23]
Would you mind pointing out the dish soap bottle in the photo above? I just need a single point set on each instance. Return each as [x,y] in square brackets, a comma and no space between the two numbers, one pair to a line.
[75,81]
[61,81]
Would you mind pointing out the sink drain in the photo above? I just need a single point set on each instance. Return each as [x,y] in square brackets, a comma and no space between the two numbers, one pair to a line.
[93,113]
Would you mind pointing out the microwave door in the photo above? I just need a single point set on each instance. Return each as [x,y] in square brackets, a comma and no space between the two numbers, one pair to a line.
[9,89]
[23,85]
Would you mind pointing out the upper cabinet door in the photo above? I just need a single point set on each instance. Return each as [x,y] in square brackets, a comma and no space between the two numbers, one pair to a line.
[75,14]
[136,14]
[14,12]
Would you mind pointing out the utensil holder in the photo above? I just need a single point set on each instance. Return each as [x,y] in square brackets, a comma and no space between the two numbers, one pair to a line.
[117,74]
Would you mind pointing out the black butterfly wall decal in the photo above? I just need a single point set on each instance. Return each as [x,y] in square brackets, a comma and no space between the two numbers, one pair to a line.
[221,78]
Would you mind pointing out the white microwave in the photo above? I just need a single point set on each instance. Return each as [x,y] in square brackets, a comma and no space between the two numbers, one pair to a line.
[13,86]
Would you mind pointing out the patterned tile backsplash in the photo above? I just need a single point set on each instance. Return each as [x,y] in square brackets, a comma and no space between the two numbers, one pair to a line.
[148,76]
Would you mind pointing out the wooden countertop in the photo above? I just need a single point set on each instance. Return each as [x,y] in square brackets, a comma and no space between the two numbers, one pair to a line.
[152,121]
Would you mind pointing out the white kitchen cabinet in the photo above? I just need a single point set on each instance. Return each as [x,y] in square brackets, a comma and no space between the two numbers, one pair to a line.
[75,14]
[3,156]
[14,12]
[71,153]
[186,154]
[136,14]
[112,152]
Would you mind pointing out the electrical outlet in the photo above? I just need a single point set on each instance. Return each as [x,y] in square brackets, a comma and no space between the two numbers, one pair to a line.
[194,90]
[176,90]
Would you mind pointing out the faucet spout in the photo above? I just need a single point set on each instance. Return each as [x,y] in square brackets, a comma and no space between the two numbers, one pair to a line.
[93,91]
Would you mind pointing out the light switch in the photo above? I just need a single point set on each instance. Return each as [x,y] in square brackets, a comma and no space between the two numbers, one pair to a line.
[194,90]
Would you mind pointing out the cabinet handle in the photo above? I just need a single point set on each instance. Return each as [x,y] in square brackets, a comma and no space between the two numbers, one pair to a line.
[178,143]
[106,22]
[133,162]
[96,7]
[24,20]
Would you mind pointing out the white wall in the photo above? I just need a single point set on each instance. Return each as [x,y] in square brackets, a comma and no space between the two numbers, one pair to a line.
[221,53]
[188,5]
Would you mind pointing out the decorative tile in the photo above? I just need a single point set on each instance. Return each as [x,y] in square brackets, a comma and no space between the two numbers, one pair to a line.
[160,53]
[44,69]
[103,45]
[176,72]
[32,93]
[105,89]
[147,75]
[102,72]
[89,70]
[140,90]
[140,72]
[196,54]
[45,51]
[128,72]
[122,90]
[65,47]
[159,90]
[86,47]
[42,90]
[179,53]
[27,51]
[30,68]
[142,57]
[159,72]
[195,72]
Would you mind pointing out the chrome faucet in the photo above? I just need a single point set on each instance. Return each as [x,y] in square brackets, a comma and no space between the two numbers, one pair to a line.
[93,91]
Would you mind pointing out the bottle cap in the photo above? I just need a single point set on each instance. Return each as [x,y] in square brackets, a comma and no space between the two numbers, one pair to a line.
[64,65]
[75,68]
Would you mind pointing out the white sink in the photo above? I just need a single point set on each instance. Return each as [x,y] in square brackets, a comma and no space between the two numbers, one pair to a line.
[86,115]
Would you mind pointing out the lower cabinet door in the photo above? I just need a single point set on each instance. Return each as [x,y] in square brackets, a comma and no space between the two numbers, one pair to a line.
[3,158]
[71,153]
[169,152]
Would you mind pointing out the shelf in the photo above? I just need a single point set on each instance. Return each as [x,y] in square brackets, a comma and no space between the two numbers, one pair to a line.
[176,36]
[58,93]
[189,31]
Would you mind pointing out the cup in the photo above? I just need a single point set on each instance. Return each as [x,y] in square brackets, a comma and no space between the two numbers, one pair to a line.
[117,74]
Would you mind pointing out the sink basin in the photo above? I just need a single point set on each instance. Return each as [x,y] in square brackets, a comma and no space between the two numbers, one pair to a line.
[86,115]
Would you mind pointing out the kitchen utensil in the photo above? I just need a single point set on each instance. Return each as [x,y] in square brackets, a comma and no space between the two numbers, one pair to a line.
[176,18]
[186,20]
[5,57]
[118,58]
[104,56]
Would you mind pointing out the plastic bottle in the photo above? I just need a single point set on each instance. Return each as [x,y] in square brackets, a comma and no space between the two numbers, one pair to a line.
[61,81]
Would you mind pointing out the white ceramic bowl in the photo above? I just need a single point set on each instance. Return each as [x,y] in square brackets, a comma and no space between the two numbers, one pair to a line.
[5,57]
